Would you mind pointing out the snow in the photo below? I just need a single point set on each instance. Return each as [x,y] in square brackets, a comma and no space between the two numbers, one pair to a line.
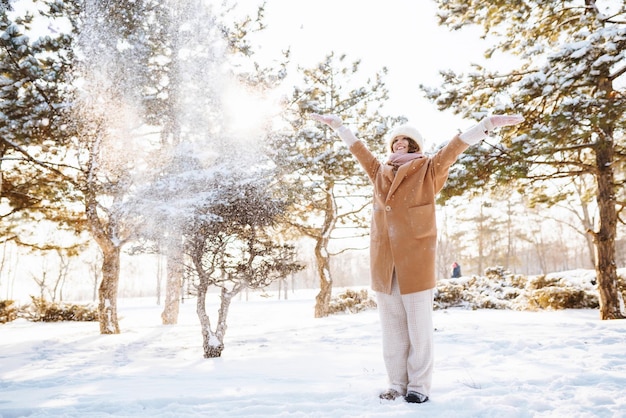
[280,361]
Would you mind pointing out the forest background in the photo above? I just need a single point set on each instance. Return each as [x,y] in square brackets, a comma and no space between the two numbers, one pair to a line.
[98,110]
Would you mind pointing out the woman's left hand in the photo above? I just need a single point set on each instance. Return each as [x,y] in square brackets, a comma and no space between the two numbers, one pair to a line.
[478,132]
[505,120]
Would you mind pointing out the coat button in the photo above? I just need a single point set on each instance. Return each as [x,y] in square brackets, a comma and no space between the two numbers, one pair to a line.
[387,208]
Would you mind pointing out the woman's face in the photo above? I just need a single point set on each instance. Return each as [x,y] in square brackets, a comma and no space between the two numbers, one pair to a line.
[400,145]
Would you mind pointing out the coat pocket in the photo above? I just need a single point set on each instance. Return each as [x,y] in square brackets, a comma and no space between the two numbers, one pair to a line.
[421,221]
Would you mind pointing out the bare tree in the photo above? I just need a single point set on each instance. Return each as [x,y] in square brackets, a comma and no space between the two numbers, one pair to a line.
[232,246]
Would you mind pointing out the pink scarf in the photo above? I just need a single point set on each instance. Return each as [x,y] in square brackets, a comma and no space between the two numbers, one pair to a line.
[398,159]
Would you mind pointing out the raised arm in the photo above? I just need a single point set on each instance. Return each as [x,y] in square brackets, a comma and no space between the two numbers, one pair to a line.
[470,137]
[480,131]
[337,125]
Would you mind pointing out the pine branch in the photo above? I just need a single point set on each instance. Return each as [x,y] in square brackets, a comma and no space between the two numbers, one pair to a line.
[617,73]
[33,160]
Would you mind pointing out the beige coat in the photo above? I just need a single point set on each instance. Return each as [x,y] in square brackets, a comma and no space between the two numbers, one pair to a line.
[404,231]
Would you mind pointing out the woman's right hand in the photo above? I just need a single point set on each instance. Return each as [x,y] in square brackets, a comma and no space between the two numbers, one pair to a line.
[336,123]
[333,121]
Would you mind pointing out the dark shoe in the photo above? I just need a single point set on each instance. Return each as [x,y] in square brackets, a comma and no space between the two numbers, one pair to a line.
[390,395]
[415,397]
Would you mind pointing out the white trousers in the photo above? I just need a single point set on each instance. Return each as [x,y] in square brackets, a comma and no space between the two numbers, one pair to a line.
[407,327]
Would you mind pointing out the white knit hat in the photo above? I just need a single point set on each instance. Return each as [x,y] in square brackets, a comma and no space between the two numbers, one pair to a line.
[407,130]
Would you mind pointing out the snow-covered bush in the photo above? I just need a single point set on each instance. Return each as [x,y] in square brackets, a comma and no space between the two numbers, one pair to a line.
[499,289]
[563,291]
[554,297]
[541,281]
[621,285]
[8,312]
[351,301]
[450,293]
[42,310]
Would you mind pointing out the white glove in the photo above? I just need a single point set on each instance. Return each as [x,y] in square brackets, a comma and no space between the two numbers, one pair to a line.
[488,124]
[337,125]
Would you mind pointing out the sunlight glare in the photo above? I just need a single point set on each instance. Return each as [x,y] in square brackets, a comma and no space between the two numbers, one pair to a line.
[247,112]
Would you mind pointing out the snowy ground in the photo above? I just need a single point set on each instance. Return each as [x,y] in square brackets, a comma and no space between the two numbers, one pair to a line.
[279,361]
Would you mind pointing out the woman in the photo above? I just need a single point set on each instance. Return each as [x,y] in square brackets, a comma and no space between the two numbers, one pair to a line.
[403,240]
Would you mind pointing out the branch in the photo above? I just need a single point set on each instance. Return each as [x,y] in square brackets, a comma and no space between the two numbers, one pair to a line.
[622,206]
[358,210]
[32,159]
[45,247]
[347,249]
[609,19]
[583,168]
[617,73]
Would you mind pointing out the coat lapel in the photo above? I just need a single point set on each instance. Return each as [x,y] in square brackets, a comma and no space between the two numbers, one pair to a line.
[403,171]
[388,172]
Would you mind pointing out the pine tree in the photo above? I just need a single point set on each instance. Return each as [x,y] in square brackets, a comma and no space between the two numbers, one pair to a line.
[318,167]
[569,57]
[110,56]
[35,128]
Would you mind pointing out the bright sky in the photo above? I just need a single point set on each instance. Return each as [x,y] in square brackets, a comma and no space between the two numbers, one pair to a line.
[401,35]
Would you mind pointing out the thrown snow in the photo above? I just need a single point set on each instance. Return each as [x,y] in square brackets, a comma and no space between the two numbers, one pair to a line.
[279,361]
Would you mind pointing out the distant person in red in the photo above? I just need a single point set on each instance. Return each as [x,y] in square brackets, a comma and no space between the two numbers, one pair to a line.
[403,243]
[456,270]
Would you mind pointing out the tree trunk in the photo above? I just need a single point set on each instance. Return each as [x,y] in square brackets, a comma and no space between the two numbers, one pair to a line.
[173,286]
[481,239]
[107,306]
[587,224]
[212,342]
[322,300]
[509,235]
[322,257]
[107,294]
[212,349]
[286,290]
[606,270]
[159,278]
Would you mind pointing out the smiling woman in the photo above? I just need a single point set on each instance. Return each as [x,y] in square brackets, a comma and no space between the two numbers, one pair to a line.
[403,243]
